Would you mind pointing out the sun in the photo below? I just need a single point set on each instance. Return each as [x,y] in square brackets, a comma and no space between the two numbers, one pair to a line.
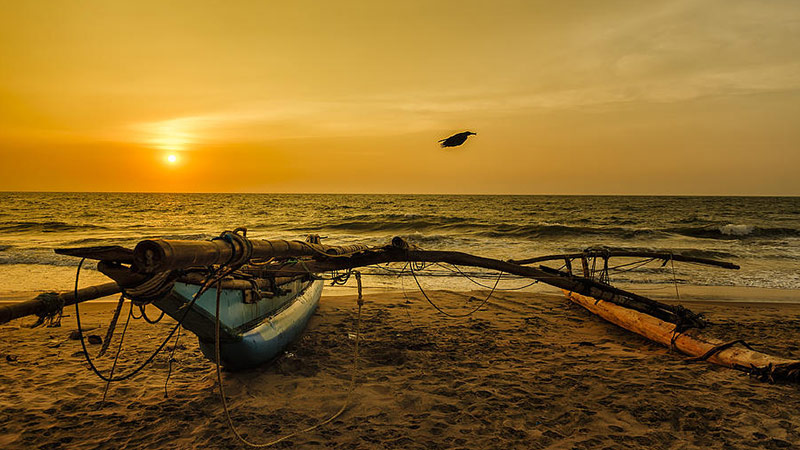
[172,158]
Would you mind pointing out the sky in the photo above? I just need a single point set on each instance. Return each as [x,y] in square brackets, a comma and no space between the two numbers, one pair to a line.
[574,97]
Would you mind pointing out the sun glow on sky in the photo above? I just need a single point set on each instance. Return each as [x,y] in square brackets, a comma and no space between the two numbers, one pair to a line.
[171,135]
[584,97]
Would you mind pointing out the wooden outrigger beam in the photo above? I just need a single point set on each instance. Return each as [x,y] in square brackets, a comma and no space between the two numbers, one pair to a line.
[292,258]
[161,255]
[670,313]
[47,304]
[612,252]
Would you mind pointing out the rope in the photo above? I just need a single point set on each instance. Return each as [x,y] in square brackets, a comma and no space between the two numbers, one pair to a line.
[340,279]
[53,310]
[119,350]
[170,359]
[716,349]
[458,269]
[674,278]
[638,263]
[237,236]
[135,317]
[499,275]
[147,319]
[338,413]
[155,287]
[188,308]
[405,295]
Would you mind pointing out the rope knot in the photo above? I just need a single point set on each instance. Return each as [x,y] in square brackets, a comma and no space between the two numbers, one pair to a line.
[51,311]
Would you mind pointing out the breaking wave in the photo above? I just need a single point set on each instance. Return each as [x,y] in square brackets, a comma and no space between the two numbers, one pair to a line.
[475,227]
[735,231]
[46,227]
[418,223]
[40,257]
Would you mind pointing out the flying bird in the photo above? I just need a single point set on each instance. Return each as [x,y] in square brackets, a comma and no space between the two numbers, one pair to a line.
[456,139]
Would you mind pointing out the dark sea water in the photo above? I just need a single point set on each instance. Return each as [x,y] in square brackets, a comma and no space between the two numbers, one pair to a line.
[761,234]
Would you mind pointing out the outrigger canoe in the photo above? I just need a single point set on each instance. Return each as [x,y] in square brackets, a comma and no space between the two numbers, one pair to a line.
[269,289]
[259,314]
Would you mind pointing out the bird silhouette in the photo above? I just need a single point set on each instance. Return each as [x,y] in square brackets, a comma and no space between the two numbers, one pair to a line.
[456,139]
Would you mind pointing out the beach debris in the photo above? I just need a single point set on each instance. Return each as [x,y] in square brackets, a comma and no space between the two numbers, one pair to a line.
[456,139]
[95,339]
[11,358]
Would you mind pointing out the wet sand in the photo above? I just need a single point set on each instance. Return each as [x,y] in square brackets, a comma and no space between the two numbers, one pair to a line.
[530,371]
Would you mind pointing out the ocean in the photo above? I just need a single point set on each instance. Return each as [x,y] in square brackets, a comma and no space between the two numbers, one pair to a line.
[761,234]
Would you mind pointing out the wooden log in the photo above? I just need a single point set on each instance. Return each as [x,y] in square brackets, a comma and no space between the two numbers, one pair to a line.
[161,255]
[691,342]
[238,284]
[43,304]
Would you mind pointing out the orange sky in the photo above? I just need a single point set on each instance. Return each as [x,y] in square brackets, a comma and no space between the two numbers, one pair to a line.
[578,97]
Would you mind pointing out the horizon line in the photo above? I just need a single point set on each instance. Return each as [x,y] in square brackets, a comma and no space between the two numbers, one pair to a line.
[410,193]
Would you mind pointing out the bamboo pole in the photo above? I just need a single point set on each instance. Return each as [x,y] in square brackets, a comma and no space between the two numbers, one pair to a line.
[42,305]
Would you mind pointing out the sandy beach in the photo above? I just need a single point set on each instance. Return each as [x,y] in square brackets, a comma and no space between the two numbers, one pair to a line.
[213,157]
[530,371]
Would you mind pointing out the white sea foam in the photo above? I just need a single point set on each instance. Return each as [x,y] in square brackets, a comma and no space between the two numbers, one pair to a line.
[736,230]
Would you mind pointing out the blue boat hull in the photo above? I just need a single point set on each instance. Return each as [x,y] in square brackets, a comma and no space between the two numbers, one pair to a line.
[251,333]
[267,340]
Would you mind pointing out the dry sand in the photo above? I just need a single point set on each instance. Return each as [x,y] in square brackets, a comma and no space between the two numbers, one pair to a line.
[530,371]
